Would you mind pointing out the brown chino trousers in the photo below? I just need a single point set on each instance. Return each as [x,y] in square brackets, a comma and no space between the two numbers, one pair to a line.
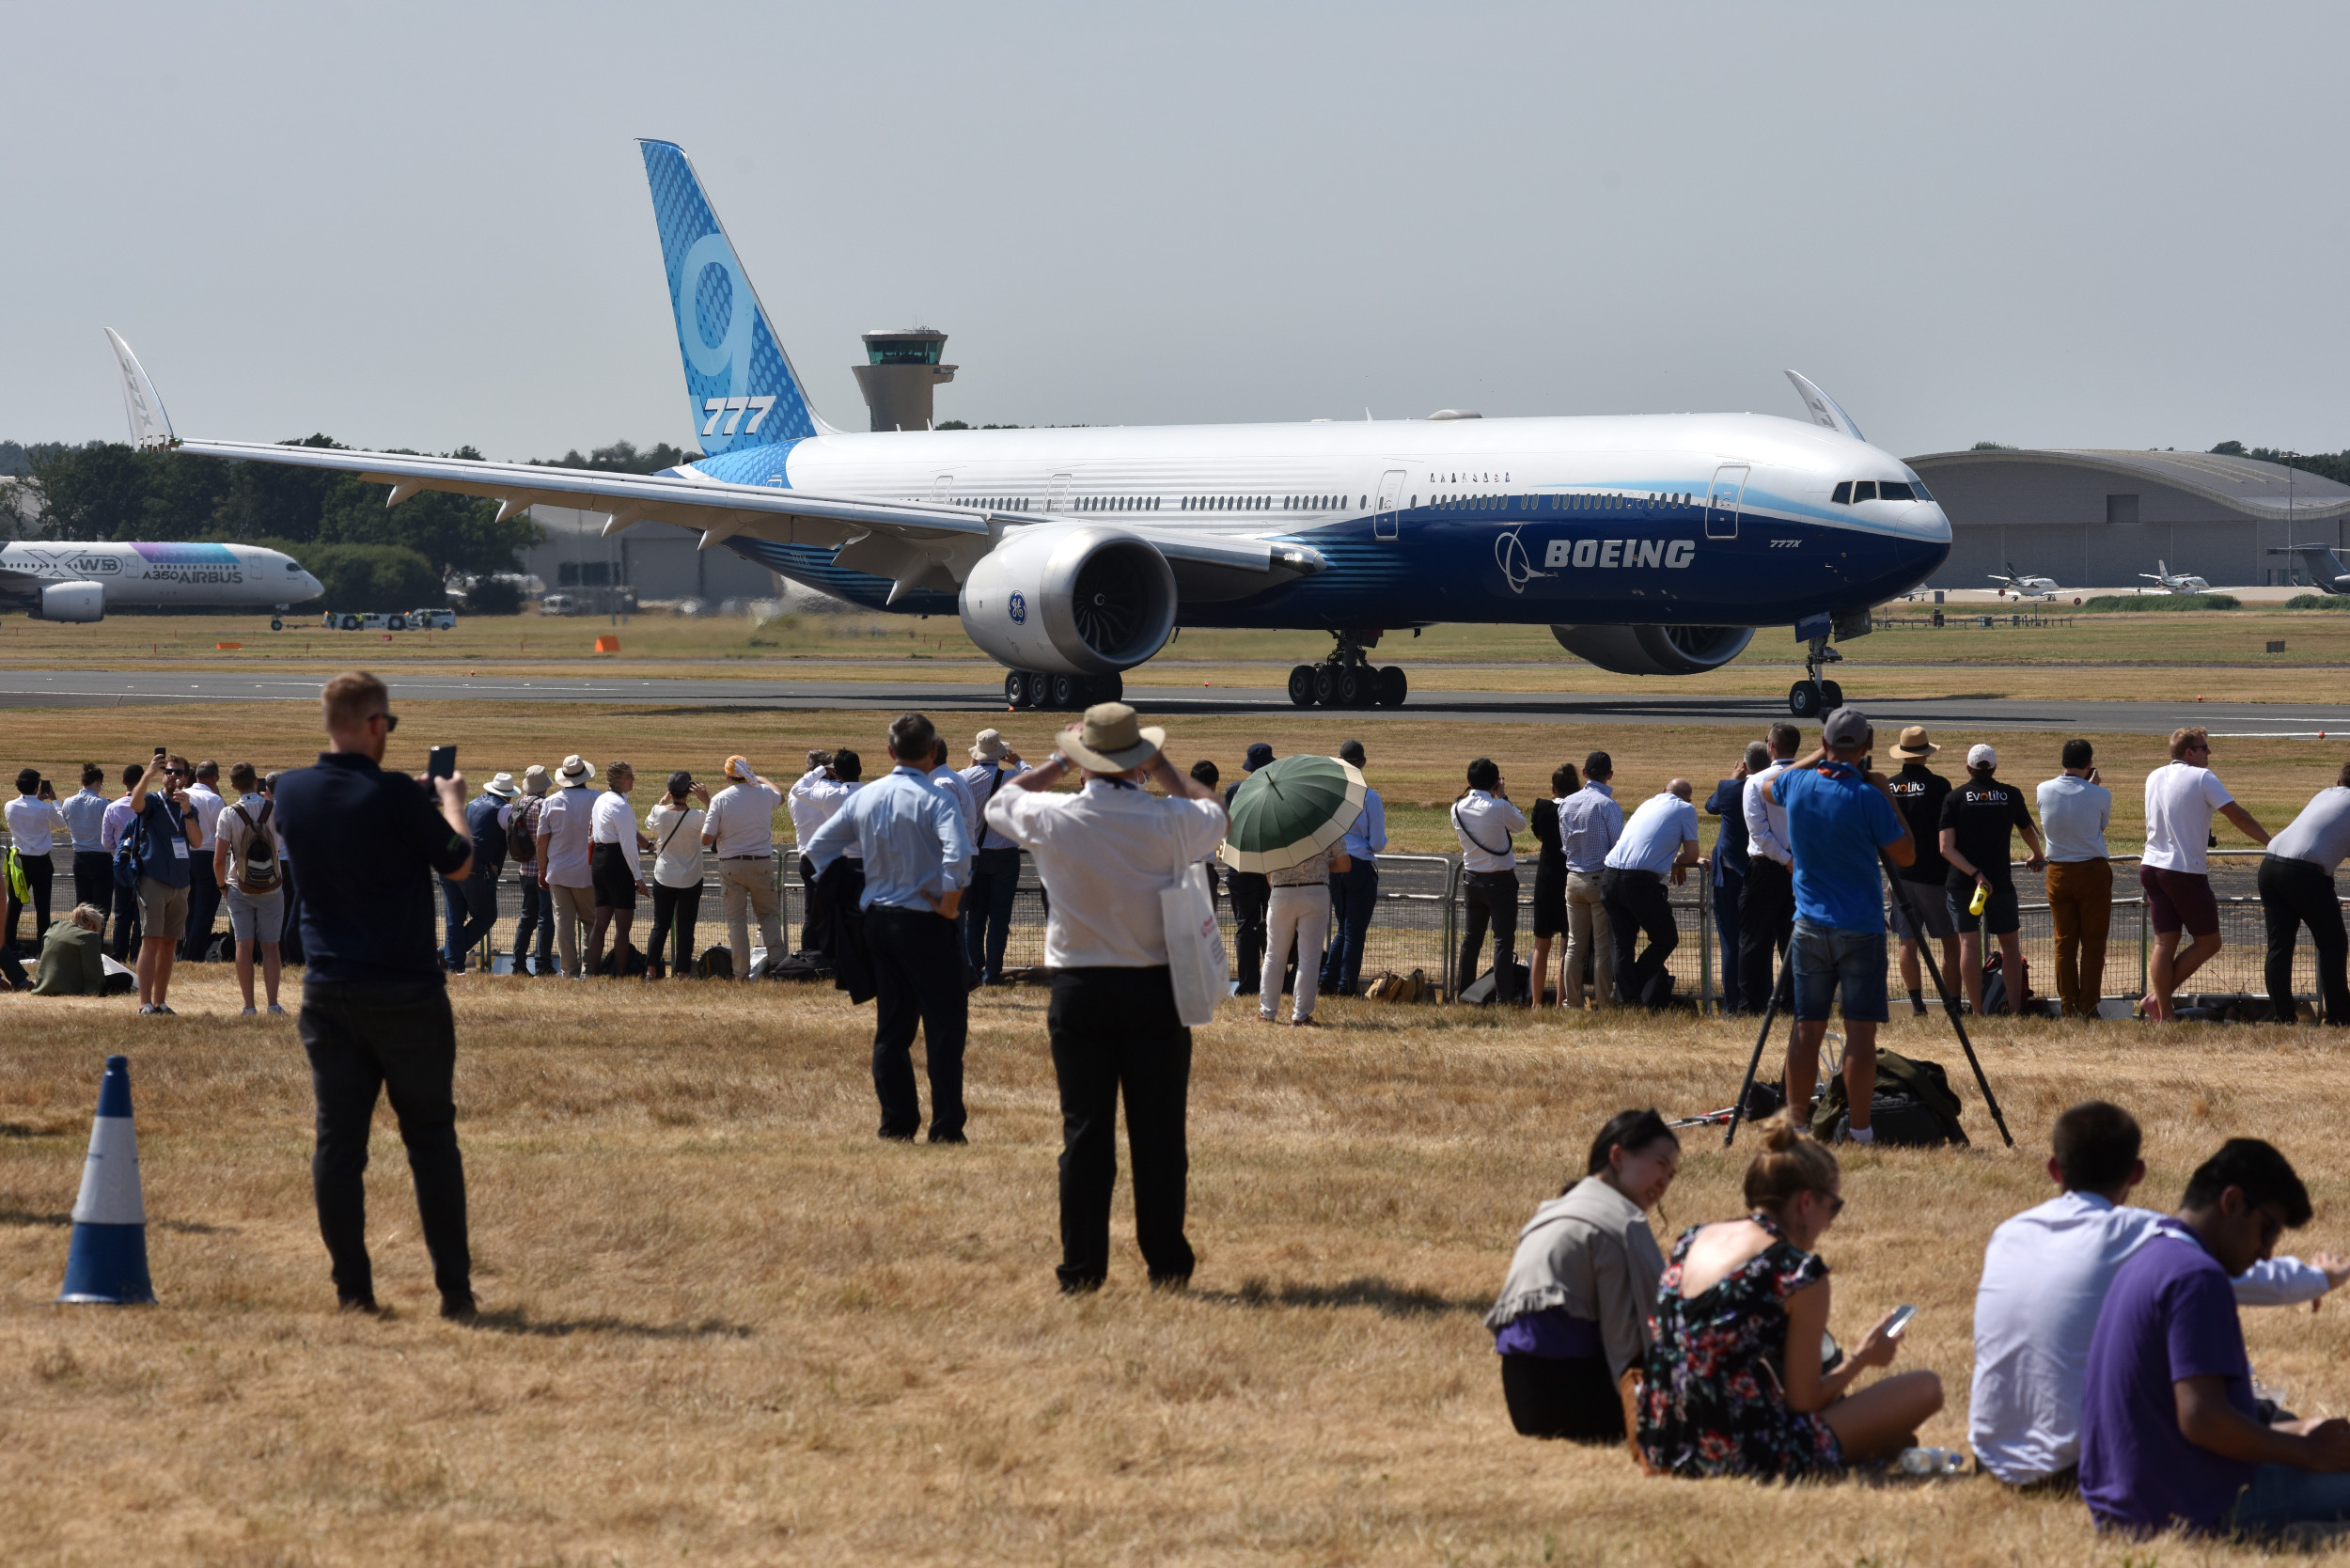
[2081,900]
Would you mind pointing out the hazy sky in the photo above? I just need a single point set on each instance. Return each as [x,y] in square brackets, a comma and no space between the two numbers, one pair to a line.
[425,225]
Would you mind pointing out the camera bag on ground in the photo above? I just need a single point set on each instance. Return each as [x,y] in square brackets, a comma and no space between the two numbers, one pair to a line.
[1995,987]
[222,949]
[1391,987]
[1481,991]
[799,966]
[1913,1106]
[716,964]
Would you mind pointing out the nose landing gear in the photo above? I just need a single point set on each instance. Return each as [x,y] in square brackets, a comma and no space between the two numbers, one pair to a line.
[1064,693]
[1811,697]
[1347,679]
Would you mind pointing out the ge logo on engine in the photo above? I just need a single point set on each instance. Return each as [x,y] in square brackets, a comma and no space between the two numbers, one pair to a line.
[1019,609]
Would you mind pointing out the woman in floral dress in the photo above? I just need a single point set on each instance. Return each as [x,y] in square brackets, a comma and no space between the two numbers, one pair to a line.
[1720,1393]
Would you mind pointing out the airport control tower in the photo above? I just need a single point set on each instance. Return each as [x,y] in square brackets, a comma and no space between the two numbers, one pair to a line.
[899,370]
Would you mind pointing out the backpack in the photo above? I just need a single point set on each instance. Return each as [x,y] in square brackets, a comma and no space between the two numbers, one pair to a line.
[1994,989]
[1392,987]
[131,853]
[716,964]
[1913,1106]
[257,867]
[521,833]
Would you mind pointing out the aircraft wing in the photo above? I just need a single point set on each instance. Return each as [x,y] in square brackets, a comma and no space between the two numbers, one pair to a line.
[917,544]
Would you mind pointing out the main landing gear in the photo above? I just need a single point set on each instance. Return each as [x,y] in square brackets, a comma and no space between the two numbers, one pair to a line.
[1811,697]
[1025,688]
[1346,677]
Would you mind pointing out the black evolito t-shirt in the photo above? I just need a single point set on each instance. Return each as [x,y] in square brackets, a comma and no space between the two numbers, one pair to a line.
[1981,813]
[1920,794]
[365,845]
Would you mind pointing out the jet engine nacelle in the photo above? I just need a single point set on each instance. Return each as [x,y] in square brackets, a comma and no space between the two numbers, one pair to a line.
[1655,649]
[71,601]
[1070,600]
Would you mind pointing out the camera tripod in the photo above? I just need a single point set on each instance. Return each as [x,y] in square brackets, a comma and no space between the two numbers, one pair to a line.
[1785,989]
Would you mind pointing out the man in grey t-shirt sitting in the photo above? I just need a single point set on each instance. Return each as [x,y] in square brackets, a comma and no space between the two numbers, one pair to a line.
[2296,883]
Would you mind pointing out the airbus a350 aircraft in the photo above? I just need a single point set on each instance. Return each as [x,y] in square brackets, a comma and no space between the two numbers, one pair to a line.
[1650,544]
[67,581]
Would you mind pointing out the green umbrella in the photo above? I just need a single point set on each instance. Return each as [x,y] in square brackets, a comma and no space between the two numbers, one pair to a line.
[1290,811]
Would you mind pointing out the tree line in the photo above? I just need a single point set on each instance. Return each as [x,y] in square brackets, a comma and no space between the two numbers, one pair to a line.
[368,555]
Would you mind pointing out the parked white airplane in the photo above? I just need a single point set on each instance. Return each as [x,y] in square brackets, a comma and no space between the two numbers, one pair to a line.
[2175,581]
[65,581]
[1648,544]
[2025,587]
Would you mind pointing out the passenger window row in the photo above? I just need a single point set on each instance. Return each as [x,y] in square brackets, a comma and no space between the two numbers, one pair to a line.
[1227,503]
[1609,501]
[1311,503]
[1118,503]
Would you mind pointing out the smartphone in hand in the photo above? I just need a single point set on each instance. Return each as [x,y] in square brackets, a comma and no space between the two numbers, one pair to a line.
[1901,1321]
[442,763]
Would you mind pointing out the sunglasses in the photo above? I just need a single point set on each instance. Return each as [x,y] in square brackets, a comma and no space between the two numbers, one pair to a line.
[391,721]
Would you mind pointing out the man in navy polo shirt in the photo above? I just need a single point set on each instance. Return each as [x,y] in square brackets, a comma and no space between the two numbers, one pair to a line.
[1838,818]
[375,1015]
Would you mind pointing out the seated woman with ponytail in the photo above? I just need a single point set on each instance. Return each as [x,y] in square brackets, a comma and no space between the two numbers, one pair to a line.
[1571,1322]
[1735,1382]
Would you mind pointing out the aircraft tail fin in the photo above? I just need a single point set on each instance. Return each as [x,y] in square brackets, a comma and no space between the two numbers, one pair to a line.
[739,382]
[150,426]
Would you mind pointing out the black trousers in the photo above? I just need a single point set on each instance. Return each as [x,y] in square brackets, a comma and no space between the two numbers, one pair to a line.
[1491,900]
[203,907]
[987,912]
[1637,903]
[1116,1030]
[400,1040]
[811,910]
[918,978]
[674,912]
[536,920]
[1766,923]
[93,879]
[2295,893]
[125,945]
[289,948]
[1251,892]
[40,871]
[1554,1397]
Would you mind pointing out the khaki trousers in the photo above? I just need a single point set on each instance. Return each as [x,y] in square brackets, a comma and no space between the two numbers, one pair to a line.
[574,908]
[748,887]
[2081,902]
[1587,933]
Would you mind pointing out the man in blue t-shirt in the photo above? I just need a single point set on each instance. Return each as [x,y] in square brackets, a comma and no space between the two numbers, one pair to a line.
[1838,816]
[375,1015]
[2171,1432]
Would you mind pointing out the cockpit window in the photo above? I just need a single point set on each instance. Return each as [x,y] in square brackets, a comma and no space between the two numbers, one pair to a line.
[293,566]
[1893,489]
[1918,488]
[1843,494]
[1864,490]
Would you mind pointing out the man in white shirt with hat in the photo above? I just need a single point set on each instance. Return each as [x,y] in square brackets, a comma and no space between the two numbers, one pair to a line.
[1104,854]
[739,833]
[916,859]
[565,856]
[994,867]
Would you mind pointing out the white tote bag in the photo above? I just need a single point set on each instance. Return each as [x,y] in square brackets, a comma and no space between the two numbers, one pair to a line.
[1194,948]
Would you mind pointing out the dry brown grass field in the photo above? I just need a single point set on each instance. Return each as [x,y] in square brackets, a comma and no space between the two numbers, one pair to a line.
[725,1324]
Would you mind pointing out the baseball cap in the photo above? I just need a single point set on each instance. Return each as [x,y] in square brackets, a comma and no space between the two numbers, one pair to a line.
[1980,756]
[1846,727]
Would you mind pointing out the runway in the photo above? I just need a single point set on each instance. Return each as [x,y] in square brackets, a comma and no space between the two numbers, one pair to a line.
[109,688]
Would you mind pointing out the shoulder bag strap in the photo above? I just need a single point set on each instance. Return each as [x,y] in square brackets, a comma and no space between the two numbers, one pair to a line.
[673,831]
[1462,828]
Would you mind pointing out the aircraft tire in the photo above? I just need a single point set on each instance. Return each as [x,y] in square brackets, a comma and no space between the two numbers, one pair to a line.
[1302,686]
[1831,696]
[1354,690]
[1040,691]
[1802,699]
[276,624]
[1016,688]
[1325,686]
[1068,692]
[1106,688]
[1393,686]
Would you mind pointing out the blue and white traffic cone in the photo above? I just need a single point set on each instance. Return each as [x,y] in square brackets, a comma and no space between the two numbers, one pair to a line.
[107,1262]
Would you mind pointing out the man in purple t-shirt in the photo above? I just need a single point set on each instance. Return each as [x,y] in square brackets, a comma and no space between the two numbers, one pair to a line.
[2169,1431]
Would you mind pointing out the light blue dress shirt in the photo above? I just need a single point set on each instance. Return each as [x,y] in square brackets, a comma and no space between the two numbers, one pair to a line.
[86,814]
[1590,823]
[910,833]
[1368,835]
[1651,840]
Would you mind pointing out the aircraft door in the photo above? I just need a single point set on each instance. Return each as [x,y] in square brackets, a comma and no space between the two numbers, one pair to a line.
[1386,517]
[943,488]
[1057,492]
[1721,504]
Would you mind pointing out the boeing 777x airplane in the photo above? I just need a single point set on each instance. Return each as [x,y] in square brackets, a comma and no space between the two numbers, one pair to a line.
[1650,544]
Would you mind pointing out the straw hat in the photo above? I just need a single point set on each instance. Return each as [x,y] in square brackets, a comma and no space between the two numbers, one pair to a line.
[1112,739]
[576,770]
[1915,747]
[989,747]
[534,780]
[502,787]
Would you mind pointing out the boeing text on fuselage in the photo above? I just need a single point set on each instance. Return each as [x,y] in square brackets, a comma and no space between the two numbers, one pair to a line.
[1652,544]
